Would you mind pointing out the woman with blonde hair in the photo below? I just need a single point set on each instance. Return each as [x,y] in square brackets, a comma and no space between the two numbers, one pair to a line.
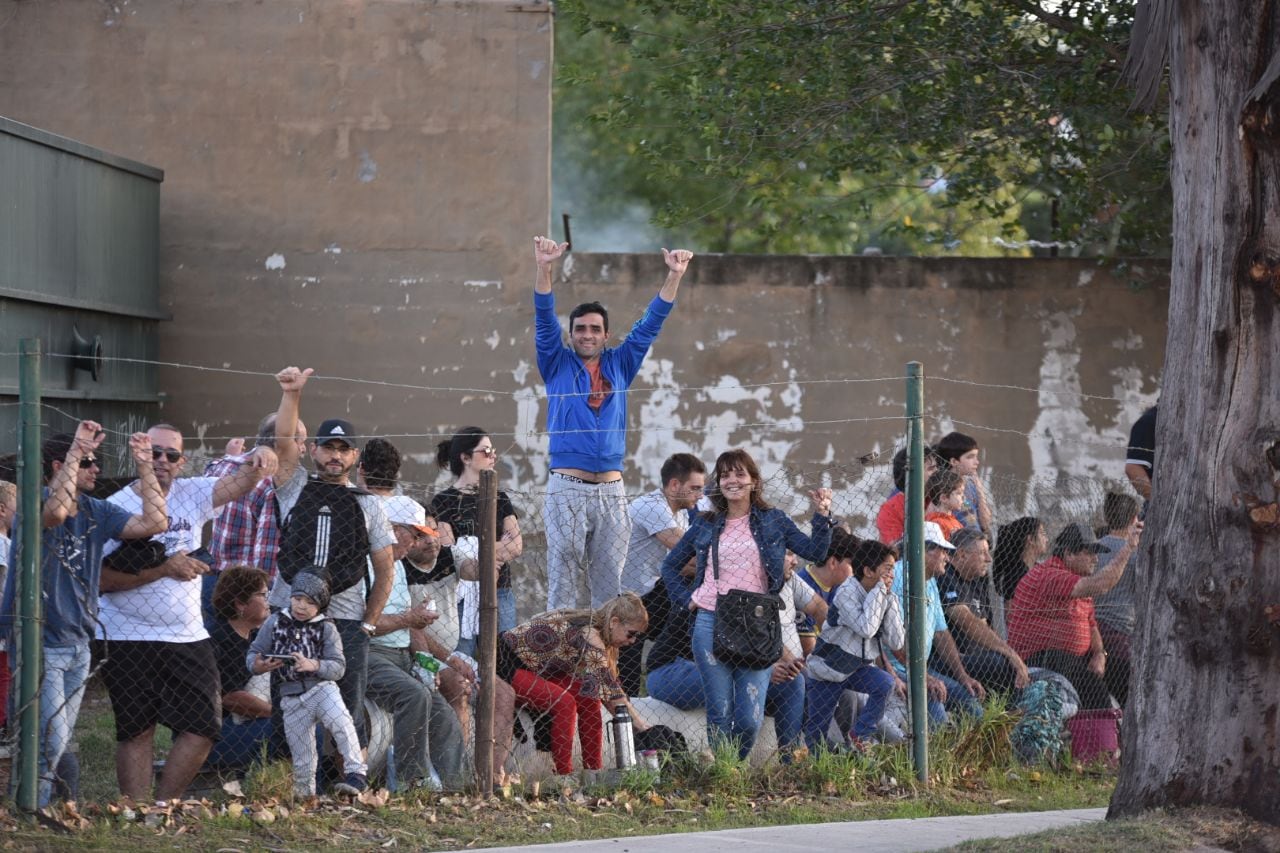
[564,663]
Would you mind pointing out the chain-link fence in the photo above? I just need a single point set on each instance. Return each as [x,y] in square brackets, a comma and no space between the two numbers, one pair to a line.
[183,600]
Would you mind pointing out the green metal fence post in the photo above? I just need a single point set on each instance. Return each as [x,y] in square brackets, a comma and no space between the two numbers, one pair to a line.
[915,580]
[30,604]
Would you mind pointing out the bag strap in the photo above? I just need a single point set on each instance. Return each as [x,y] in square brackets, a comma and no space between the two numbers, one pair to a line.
[715,558]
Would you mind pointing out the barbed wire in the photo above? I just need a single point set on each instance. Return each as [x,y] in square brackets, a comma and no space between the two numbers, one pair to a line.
[540,391]
[806,427]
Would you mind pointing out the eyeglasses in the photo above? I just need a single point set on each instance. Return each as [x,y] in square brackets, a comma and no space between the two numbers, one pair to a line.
[167,453]
[486,451]
[88,461]
[631,635]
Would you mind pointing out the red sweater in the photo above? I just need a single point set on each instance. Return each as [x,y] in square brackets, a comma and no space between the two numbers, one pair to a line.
[1045,616]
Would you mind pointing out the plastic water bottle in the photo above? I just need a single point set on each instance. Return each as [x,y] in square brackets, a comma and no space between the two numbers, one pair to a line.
[425,667]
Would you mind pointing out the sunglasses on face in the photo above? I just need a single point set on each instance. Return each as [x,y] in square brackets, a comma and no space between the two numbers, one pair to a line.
[486,451]
[88,461]
[167,453]
[631,635]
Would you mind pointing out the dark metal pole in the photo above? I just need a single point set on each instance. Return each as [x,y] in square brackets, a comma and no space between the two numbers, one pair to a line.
[487,652]
[30,602]
[914,557]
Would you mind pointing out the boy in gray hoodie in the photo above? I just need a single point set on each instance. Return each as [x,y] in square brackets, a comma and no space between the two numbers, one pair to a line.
[304,645]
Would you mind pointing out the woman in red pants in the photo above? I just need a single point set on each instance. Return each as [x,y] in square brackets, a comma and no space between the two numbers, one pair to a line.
[564,664]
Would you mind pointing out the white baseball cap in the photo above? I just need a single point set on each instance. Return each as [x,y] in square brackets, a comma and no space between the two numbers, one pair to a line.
[402,509]
[933,536]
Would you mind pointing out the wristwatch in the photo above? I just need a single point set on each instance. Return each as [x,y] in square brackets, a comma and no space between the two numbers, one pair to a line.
[368,628]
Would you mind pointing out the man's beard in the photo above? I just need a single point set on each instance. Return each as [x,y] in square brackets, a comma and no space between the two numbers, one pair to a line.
[324,472]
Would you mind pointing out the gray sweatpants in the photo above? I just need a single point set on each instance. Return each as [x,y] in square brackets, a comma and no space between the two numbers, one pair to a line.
[322,704]
[588,527]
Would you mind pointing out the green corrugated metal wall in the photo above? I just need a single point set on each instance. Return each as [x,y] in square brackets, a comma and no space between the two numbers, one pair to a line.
[79,232]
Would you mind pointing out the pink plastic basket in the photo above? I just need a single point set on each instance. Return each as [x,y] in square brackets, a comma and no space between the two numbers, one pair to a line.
[1095,734]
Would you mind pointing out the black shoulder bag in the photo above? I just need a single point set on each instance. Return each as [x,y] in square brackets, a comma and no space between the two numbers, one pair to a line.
[748,630]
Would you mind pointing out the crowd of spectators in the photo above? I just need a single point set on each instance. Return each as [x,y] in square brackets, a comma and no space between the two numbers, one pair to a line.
[326,582]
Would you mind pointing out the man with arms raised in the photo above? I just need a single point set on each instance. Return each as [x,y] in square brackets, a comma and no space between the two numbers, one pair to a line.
[586,506]
[326,521]
[76,529]
[159,665]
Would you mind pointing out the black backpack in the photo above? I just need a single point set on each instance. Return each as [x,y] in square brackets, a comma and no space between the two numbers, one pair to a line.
[326,527]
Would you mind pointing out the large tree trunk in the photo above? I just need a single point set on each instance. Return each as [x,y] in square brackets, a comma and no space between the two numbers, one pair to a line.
[1201,726]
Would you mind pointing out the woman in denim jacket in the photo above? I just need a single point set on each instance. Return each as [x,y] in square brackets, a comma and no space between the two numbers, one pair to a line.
[751,539]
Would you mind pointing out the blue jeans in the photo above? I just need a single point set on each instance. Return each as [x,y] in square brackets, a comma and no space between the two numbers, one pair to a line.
[506,609]
[959,701]
[506,620]
[678,683]
[735,696]
[242,744]
[876,683]
[66,668]
[785,703]
[207,583]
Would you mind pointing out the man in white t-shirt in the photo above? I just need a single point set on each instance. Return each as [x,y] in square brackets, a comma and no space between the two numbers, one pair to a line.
[159,665]
[658,520]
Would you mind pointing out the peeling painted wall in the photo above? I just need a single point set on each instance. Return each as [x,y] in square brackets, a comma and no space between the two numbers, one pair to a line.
[802,360]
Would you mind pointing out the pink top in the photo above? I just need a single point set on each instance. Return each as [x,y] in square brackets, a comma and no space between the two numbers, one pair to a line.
[740,566]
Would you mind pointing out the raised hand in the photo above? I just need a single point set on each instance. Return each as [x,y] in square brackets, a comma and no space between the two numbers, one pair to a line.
[293,379]
[89,435]
[677,260]
[821,499]
[235,447]
[886,577]
[264,461]
[140,448]
[546,250]
[1135,533]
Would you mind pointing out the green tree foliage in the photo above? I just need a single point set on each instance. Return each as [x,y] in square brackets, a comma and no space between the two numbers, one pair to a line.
[921,126]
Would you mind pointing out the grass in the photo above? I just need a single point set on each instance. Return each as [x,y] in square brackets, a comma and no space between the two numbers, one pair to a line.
[435,822]
[1190,829]
[972,772]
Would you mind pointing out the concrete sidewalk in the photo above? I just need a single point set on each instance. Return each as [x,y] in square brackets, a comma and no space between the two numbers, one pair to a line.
[867,836]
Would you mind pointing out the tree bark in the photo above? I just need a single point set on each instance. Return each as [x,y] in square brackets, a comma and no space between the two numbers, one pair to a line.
[1201,726]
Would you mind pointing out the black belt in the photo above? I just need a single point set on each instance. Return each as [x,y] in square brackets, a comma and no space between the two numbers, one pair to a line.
[574,479]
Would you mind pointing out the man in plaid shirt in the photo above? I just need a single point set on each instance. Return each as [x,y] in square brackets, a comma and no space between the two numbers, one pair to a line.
[246,534]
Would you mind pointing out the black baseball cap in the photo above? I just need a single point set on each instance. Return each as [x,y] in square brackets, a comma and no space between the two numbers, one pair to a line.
[339,429]
[1075,538]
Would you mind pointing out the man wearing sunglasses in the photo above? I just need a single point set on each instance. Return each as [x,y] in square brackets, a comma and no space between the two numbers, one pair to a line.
[76,529]
[160,666]
[586,505]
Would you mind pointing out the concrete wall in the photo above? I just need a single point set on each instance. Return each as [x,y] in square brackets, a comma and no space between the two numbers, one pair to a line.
[351,183]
